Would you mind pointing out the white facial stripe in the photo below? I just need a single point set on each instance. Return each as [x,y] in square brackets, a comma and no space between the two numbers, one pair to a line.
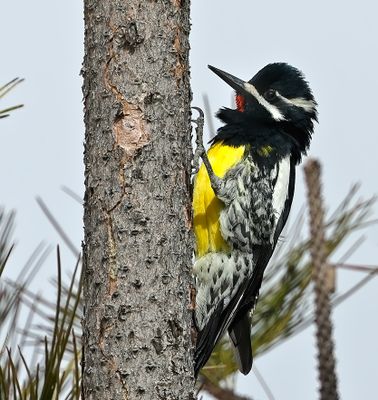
[307,105]
[274,111]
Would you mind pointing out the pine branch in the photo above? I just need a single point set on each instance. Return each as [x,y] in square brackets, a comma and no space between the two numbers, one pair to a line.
[5,89]
[221,393]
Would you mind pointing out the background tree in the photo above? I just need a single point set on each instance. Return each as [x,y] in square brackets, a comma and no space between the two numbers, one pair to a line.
[137,210]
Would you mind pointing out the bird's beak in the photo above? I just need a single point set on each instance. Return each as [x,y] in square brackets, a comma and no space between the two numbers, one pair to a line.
[236,83]
[248,89]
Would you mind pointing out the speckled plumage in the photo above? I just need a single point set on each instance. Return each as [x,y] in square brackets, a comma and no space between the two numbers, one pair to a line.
[248,218]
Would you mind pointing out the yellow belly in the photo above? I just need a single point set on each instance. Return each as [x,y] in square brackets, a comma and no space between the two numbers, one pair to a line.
[206,206]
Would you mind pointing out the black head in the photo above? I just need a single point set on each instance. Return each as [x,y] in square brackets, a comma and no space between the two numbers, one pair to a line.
[276,107]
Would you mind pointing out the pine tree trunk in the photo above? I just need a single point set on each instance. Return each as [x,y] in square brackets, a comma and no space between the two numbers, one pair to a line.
[138,244]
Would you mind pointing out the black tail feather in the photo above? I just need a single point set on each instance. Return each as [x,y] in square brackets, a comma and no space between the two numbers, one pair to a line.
[240,334]
[207,339]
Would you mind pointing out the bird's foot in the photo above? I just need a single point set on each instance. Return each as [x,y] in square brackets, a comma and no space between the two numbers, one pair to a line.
[200,148]
[216,183]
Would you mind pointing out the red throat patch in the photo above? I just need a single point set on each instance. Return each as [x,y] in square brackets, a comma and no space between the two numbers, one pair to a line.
[240,102]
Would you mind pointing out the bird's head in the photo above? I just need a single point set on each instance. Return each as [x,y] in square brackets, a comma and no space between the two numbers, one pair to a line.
[276,104]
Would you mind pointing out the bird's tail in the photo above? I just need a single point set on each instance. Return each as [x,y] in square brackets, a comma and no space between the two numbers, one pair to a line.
[240,334]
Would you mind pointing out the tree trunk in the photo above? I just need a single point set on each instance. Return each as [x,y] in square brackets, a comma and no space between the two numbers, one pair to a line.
[138,244]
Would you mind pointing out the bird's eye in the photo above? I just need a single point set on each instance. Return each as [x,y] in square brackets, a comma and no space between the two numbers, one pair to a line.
[270,94]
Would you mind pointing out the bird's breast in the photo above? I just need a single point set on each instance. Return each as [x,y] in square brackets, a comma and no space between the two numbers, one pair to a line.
[206,206]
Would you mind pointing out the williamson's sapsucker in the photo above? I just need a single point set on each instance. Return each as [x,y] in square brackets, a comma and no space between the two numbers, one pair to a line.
[242,199]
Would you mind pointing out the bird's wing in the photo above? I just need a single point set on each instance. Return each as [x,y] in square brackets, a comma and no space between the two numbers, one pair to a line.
[262,254]
[239,330]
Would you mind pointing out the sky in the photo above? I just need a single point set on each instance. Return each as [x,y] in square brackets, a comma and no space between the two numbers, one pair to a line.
[333,43]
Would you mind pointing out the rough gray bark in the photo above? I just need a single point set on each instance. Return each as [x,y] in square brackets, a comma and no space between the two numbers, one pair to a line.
[138,244]
[324,339]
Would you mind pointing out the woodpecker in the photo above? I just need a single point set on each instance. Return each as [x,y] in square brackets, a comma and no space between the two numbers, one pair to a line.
[242,197]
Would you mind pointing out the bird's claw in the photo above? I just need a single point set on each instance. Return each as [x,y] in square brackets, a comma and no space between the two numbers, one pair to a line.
[200,148]
[201,113]
[196,159]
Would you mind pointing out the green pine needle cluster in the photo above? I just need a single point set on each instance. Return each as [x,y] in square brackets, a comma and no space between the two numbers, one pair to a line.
[41,328]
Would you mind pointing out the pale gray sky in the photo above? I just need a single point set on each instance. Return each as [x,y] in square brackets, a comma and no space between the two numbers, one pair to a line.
[334,43]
